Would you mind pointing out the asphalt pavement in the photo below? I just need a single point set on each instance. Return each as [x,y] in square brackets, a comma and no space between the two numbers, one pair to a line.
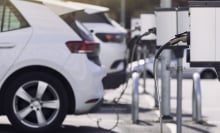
[119,115]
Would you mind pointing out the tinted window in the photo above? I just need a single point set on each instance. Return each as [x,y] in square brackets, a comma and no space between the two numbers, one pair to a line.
[11,18]
[77,26]
[1,12]
[92,18]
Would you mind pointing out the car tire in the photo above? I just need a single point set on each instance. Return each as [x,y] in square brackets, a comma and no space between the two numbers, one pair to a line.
[36,102]
[148,75]
[208,75]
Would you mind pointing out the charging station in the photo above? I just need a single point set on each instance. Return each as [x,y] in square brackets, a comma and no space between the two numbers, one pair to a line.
[182,21]
[135,27]
[147,22]
[172,23]
[166,23]
[204,34]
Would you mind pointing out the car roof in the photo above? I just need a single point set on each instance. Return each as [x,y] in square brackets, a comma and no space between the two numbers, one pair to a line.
[91,9]
[60,7]
[63,7]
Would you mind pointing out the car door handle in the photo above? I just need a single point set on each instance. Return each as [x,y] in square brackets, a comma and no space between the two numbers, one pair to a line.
[6,45]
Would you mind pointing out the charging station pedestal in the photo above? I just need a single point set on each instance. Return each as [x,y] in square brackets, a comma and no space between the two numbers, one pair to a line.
[179,52]
[147,21]
[166,29]
[170,23]
[135,27]
[182,26]
[182,21]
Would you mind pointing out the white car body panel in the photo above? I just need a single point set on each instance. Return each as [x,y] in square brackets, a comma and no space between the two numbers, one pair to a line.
[61,7]
[43,44]
[88,87]
[8,55]
[91,9]
[110,52]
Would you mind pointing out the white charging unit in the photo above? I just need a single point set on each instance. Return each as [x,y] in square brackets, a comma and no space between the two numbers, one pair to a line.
[205,33]
[183,21]
[135,27]
[166,23]
[147,21]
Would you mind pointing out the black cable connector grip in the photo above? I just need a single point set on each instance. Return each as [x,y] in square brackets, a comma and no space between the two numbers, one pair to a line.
[184,34]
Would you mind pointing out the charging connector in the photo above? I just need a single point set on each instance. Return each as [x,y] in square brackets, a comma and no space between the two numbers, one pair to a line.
[137,42]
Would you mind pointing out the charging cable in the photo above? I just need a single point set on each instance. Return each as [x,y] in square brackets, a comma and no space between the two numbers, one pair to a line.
[137,42]
[116,101]
[184,37]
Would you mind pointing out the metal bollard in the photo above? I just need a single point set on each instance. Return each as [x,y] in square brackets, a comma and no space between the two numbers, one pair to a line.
[135,97]
[196,99]
[145,51]
[138,55]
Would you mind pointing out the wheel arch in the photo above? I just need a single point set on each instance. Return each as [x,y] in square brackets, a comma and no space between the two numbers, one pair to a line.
[68,88]
[208,70]
[150,74]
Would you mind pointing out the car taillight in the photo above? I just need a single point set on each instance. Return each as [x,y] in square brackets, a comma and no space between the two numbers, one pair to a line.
[90,48]
[83,46]
[118,38]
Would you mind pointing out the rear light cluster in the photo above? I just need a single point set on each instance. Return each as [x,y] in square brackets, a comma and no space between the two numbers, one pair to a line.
[118,38]
[85,47]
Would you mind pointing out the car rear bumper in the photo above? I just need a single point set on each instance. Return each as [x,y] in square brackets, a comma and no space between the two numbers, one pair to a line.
[85,78]
[96,108]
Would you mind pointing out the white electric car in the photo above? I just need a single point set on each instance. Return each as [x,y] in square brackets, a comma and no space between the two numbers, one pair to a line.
[112,38]
[47,69]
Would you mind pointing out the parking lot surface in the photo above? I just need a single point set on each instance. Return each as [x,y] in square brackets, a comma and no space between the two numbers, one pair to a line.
[103,120]
[107,117]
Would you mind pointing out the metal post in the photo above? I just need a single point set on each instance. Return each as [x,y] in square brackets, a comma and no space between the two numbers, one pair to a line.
[196,99]
[135,97]
[165,85]
[179,95]
[145,50]
[138,56]
[156,105]
[123,5]
[165,74]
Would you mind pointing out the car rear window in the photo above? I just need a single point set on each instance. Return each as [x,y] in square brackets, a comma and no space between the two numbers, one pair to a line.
[10,17]
[92,18]
[1,12]
[79,28]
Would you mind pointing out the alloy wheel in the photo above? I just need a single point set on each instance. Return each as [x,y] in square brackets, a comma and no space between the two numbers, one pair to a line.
[36,104]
